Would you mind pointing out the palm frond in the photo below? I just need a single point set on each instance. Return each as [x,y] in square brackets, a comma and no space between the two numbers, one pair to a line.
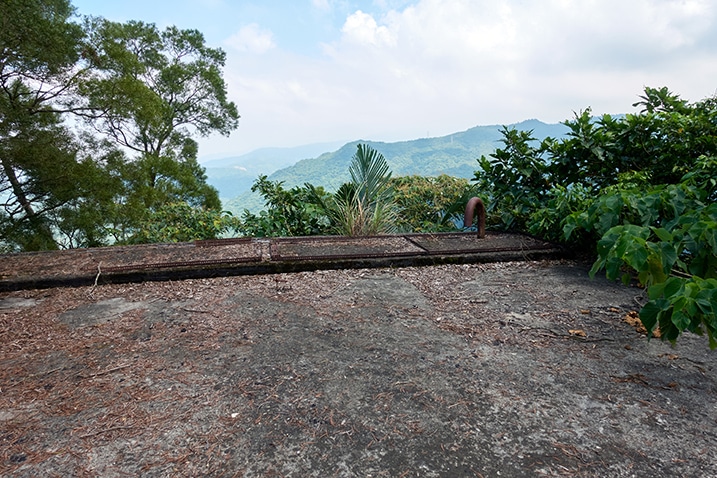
[369,172]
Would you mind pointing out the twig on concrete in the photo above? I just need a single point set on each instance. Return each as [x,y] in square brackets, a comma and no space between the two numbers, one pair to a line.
[106,430]
[97,278]
[105,372]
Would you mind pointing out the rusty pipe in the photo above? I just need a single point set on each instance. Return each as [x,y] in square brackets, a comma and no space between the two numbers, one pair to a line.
[475,206]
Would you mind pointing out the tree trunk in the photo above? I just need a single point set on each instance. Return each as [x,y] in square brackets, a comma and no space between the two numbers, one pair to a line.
[41,237]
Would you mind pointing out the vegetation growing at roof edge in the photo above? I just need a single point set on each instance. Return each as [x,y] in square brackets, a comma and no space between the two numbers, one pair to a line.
[373,202]
[637,191]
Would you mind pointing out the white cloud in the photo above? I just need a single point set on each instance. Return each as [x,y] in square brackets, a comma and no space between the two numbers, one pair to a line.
[614,34]
[252,38]
[438,66]
[483,53]
[361,28]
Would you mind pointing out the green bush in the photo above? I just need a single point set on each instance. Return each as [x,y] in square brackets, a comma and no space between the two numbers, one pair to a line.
[430,204]
[180,222]
[636,191]
[289,212]
[364,206]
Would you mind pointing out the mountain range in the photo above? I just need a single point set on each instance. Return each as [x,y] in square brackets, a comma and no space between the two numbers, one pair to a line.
[234,175]
[319,164]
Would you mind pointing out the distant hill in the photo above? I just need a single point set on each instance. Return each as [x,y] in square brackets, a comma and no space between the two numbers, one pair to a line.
[234,175]
[454,154]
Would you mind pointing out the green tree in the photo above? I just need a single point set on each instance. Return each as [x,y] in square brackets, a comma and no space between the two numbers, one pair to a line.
[148,92]
[661,141]
[41,65]
[515,181]
[181,222]
[156,91]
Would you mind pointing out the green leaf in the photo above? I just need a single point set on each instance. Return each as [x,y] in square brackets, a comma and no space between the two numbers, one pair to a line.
[612,268]
[680,320]
[569,228]
[712,341]
[597,265]
[674,286]
[636,257]
[607,221]
[663,234]
[669,256]
[706,301]
[651,312]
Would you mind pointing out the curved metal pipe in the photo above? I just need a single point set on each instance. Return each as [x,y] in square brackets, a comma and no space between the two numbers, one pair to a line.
[475,204]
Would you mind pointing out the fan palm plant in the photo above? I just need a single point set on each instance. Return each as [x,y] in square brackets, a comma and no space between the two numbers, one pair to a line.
[364,206]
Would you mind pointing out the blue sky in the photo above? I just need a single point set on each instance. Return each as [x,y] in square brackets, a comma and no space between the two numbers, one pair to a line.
[307,71]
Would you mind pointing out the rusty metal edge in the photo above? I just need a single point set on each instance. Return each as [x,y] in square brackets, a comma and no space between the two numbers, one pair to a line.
[237,268]
[181,264]
[386,255]
[222,242]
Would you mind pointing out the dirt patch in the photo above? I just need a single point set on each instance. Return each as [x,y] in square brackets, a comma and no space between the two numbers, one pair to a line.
[518,369]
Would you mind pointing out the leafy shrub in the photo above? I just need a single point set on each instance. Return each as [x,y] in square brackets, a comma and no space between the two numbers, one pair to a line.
[363,206]
[639,191]
[515,182]
[560,203]
[293,212]
[180,222]
[430,204]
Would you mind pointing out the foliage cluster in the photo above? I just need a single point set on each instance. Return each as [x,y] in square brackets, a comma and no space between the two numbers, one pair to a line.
[364,206]
[373,202]
[97,125]
[641,187]
[430,204]
[181,222]
[288,212]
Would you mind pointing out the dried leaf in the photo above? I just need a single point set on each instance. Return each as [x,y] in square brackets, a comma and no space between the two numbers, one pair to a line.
[633,319]
[670,356]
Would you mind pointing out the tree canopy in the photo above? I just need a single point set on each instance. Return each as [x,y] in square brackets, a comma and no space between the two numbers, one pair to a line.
[39,54]
[98,123]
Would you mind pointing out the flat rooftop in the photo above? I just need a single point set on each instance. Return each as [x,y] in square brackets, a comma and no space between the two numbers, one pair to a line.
[476,364]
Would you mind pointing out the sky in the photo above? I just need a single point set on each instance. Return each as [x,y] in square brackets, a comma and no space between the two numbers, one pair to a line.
[310,71]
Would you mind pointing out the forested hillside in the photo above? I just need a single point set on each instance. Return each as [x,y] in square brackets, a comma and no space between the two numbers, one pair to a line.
[454,155]
[234,175]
